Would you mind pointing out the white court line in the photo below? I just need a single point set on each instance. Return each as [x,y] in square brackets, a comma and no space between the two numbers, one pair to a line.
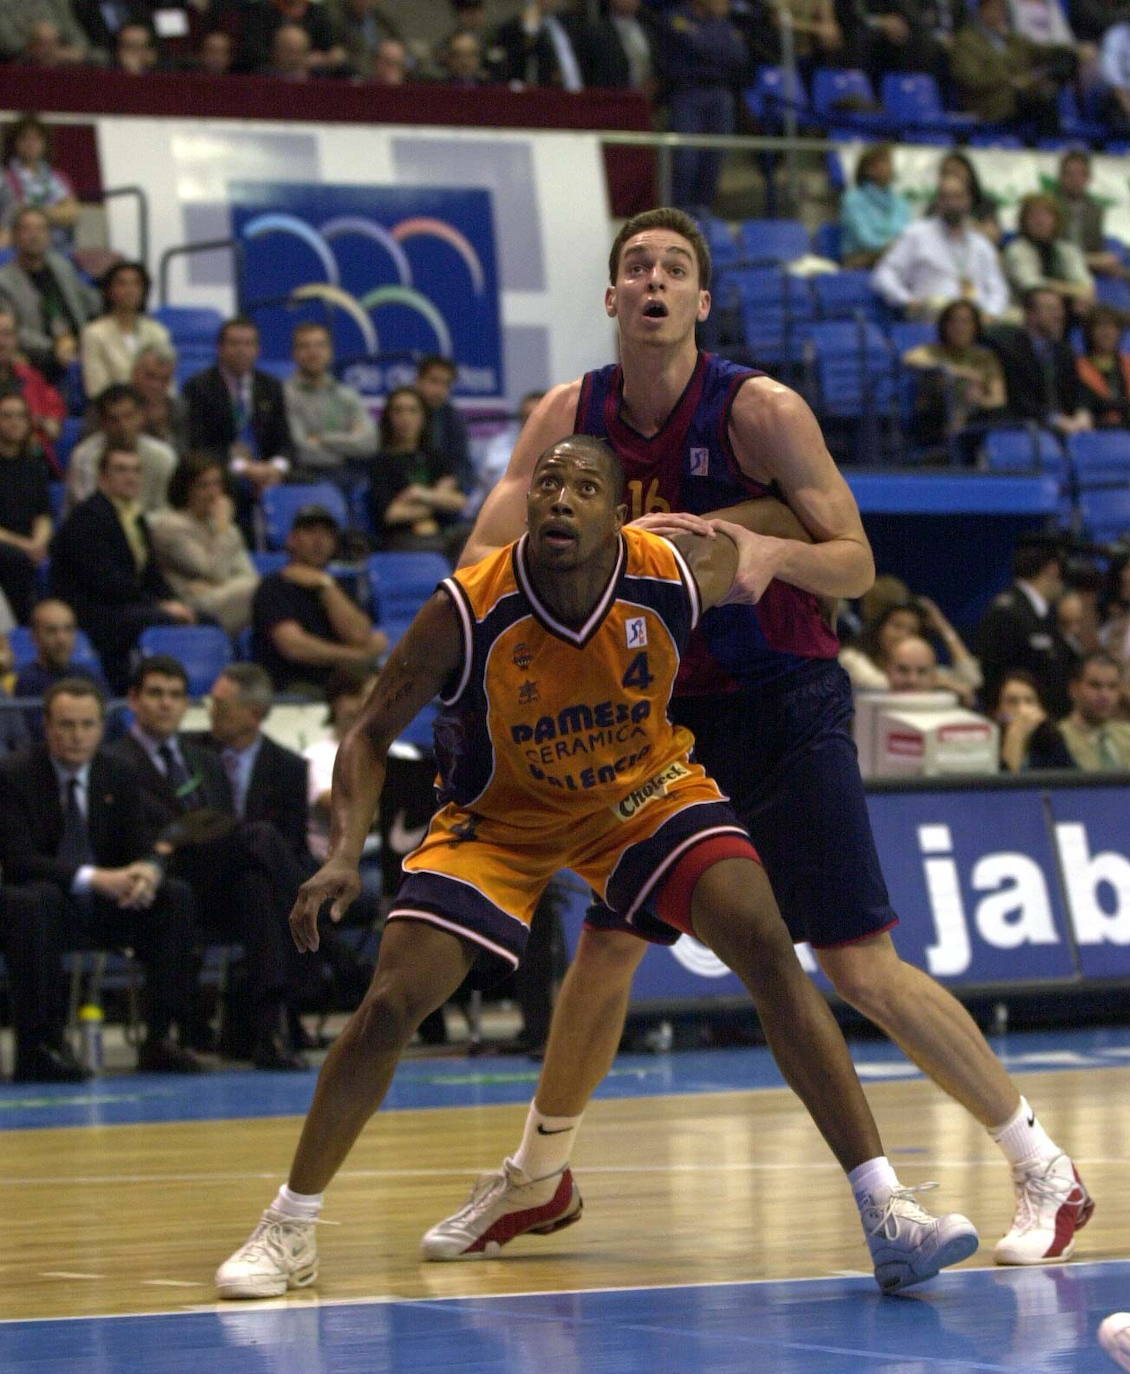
[307,1300]
[68,1274]
[453,1170]
[171,1283]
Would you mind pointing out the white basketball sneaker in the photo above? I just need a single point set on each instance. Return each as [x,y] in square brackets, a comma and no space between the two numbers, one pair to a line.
[280,1253]
[908,1245]
[503,1205]
[1051,1205]
[1114,1337]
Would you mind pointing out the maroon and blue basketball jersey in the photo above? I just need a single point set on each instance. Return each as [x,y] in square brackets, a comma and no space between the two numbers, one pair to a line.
[689,465]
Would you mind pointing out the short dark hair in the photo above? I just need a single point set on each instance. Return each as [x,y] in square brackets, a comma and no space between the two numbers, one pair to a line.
[1100,657]
[74,687]
[665,217]
[1028,298]
[1032,556]
[1075,155]
[157,665]
[115,392]
[109,451]
[433,360]
[310,327]
[114,271]
[190,468]
[604,451]
[236,322]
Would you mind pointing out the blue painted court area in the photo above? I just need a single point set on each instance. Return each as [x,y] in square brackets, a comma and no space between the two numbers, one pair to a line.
[422,1083]
[1039,1321]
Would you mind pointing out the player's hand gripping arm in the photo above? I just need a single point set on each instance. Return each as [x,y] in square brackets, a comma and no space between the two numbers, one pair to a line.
[418,667]
[776,438]
[502,518]
[715,559]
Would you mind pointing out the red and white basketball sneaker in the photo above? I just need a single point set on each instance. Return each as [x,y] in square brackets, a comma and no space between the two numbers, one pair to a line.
[503,1205]
[1051,1205]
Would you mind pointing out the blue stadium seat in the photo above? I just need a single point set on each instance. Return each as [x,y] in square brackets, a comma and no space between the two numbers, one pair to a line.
[1082,125]
[1100,458]
[772,305]
[842,295]
[828,241]
[267,561]
[56,499]
[907,334]
[23,649]
[282,503]
[773,240]
[851,363]
[204,650]
[846,99]
[719,239]
[400,583]
[773,88]
[988,138]
[70,432]
[1024,449]
[191,325]
[1105,512]
[1113,291]
[914,104]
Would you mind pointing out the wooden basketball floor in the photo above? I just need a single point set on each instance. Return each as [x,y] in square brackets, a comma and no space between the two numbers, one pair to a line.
[718,1233]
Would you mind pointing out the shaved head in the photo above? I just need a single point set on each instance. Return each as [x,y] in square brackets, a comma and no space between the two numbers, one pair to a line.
[595,449]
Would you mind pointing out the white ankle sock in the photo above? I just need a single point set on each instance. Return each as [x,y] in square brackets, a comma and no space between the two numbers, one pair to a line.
[873,1181]
[547,1143]
[1022,1139]
[300,1206]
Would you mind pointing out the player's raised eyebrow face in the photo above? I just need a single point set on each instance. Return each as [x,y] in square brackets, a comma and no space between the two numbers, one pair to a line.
[638,250]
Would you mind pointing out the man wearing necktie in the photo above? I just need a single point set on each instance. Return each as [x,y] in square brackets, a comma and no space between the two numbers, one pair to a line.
[1098,741]
[78,874]
[102,565]
[242,874]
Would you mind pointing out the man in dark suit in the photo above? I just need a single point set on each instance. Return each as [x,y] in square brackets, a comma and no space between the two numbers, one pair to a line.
[620,51]
[242,874]
[268,782]
[1041,382]
[78,872]
[237,413]
[102,565]
[1020,628]
[540,48]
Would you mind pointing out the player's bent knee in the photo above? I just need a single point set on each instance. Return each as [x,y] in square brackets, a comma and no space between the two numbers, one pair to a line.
[608,953]
[387,1017]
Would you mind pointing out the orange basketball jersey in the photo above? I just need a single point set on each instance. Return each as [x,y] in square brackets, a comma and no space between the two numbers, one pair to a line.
[544,722]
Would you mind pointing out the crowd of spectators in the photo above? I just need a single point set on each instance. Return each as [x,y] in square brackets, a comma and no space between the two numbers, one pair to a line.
[1050,665]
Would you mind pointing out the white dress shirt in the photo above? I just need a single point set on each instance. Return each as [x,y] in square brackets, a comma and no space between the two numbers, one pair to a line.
[928,264]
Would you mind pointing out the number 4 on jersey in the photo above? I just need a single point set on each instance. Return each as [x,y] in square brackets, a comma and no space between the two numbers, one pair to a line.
[638,674]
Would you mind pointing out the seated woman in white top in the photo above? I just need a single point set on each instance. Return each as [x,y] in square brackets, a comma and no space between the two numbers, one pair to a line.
[866,661]
[199,547]
[109,344]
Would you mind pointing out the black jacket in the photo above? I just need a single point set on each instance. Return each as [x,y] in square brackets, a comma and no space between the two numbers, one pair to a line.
[1011,635]
[211,421]
[31,818]
[160,805]
[1027,396]
[93,568]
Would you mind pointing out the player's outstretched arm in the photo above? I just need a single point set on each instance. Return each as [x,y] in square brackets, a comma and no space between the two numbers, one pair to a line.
[776,439]
[714,561]
[502,518]
[424,659]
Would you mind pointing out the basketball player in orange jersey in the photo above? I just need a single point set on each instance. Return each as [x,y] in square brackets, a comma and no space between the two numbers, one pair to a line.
[555,659]
[770,709]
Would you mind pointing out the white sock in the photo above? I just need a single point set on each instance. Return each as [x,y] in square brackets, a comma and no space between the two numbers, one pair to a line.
[547,1143]
[873,1181]
[1022,1139]
[300,1206]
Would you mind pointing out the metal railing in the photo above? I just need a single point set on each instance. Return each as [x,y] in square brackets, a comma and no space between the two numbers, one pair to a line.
[137,194]
[180,250]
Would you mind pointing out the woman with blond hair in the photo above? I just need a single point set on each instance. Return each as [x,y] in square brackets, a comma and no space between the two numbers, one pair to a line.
[1039,255]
